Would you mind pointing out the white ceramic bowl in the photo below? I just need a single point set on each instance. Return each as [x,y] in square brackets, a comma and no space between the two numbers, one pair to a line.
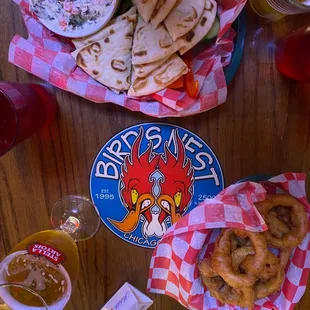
[89,29]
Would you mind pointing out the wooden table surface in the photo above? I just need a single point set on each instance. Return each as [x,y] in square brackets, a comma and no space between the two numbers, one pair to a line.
[262,128]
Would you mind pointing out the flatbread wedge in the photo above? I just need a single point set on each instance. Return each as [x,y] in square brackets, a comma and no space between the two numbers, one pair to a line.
[113,26]
[108,61]
[162,9]
[146,69]
[150,45]
[146,8]
[159,79]
[202,28]
[184,17]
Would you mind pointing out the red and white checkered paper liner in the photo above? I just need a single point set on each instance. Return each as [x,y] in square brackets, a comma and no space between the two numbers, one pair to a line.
[173,269]
[47,56]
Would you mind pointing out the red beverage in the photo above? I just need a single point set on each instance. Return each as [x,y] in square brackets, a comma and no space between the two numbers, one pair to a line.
[293,55]
[24,110]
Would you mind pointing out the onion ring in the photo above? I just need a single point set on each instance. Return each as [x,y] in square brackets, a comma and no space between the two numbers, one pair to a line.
[284,215]
[284,257]
[205,268]
[242,297]
[233,243]
[239,255]
[276,227]
[298,218]
[214,284]
[219,289]
[237,242]
[271,266]
[222,261]
[265,288]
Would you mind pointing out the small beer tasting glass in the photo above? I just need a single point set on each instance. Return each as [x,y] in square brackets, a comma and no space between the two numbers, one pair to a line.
[41,271]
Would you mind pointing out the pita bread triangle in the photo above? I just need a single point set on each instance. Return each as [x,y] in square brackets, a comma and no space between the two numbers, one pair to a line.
[150,45]
[202,28]
[159,79]
[184,17]
[145,69]
[108,61]
[146,8]
[161,11]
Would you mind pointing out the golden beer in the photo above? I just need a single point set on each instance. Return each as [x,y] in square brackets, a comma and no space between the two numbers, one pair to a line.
[46,262]
[40,275]
[276,9]
[61,241]
[41,270]
[264,9]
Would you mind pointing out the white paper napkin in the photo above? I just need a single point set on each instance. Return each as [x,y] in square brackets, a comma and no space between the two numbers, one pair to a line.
[128,298]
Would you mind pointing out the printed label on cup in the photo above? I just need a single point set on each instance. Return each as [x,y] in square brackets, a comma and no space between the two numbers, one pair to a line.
[52,254]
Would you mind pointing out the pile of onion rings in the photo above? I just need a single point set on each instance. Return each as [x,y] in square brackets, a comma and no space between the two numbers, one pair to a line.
[242,267]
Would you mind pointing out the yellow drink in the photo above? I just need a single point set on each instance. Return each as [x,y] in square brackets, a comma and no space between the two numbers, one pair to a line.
[46,262]
[276,9]
[264,9]
[62,242]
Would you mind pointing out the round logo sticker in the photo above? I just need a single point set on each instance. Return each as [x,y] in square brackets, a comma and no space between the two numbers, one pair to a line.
[148,176]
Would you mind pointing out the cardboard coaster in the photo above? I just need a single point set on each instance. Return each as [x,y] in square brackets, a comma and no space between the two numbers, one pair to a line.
[150,175]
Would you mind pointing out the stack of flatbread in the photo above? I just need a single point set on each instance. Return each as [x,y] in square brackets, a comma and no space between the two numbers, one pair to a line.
[139,53]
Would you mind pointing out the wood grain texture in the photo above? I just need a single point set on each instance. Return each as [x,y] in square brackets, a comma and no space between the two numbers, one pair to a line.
[262,128]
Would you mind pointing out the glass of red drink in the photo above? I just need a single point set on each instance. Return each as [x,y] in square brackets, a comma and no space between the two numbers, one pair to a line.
[293,55]
[24,110]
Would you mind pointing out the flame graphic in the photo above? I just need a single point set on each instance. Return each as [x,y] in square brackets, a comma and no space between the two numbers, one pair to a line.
[154,186]
[136,191]
[177,189]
